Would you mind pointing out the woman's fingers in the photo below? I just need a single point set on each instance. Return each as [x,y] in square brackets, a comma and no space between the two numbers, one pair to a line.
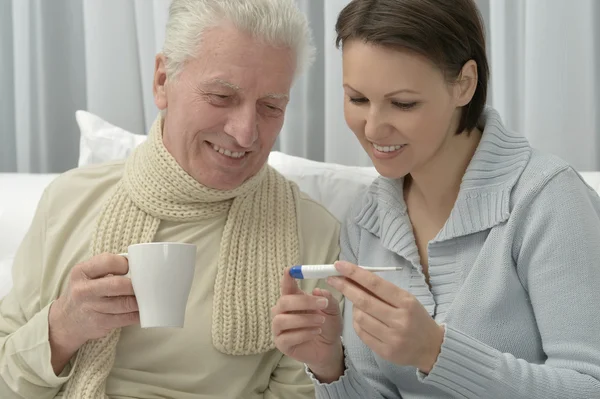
[372,283]
[363,321]
[363,300]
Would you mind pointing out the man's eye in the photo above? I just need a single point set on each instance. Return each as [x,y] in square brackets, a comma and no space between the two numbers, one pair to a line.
[219,99]
[272,110]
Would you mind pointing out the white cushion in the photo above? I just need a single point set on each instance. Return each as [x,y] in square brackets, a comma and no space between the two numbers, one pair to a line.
[5,276]
[21,193]
[101,141]
[334,186]
[593,179]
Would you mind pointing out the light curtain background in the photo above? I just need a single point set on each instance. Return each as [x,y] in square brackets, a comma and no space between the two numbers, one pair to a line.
[62,55]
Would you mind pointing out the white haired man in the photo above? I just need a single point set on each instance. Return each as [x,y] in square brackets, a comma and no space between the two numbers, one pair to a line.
[70,326]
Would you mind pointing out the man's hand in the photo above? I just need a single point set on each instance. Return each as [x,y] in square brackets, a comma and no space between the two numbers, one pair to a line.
[308,328]
[98,300]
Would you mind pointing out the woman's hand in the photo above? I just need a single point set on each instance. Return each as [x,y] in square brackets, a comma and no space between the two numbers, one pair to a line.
[389,320]
[308,328]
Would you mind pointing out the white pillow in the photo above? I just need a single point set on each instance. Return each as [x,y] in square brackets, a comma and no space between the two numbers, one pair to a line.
[22,193]
[5,276]
[102,142]
[334,186]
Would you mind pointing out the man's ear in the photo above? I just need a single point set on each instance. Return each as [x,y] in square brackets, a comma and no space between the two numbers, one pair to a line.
[159,87]
[466,83]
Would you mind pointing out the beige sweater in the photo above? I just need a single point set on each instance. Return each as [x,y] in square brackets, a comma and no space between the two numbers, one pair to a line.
[155,363]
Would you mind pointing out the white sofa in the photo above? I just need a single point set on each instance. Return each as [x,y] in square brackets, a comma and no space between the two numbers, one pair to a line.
[332,185]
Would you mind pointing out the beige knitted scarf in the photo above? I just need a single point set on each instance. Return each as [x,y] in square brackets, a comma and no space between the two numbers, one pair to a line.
[259,240]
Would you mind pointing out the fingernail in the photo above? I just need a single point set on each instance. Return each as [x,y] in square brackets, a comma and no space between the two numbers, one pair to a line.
[317,331]
[322,303]
[342,266]
[333,281]
[321,319]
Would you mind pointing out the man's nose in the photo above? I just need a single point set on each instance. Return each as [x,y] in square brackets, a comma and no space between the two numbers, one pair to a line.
[243,126]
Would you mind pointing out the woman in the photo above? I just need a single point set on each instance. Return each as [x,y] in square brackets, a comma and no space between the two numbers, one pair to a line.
[498,296]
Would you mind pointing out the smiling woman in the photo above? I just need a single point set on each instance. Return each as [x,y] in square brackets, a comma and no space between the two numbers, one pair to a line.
[497,241]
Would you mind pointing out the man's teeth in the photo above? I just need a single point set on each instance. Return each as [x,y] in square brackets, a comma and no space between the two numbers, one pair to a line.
[388,148]
[228,153]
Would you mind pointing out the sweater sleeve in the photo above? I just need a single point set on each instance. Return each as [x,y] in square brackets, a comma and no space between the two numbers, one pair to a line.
[369,382]
[365,379]
[25,367]
[557,255]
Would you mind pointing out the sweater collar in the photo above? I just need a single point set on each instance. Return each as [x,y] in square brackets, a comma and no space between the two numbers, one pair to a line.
[483,200]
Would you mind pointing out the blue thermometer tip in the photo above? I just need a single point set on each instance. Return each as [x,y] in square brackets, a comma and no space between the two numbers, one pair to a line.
[296,272]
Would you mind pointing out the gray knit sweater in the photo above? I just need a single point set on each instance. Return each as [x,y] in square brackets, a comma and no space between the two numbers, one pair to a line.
[514,273]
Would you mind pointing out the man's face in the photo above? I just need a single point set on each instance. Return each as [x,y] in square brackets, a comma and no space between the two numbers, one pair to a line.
[226,107]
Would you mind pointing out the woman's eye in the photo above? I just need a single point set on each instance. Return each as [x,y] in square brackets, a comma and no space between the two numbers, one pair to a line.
[359,100]
[404,105]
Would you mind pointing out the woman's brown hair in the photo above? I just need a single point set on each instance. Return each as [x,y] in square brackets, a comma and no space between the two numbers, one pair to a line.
[447,32]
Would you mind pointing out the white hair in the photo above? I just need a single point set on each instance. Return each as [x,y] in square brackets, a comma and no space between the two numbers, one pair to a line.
[275,22]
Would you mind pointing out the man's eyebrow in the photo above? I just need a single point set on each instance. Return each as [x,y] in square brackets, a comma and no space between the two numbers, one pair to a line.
[277,96]
[273,96]
[222,83]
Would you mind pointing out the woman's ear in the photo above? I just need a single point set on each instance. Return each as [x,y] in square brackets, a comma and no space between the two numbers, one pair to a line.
[466,83]
[159,87]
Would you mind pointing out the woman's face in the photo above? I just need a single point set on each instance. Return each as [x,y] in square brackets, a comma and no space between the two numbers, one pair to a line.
[399,106]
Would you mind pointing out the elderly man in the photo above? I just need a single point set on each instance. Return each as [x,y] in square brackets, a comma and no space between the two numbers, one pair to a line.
[70,326]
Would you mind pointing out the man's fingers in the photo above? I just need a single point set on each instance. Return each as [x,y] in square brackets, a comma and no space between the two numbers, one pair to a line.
[333,306]
[116,305]
[300,303]
[112,321]
[290,339]
[284,322]
[289,285]
[113,286]
[103,265]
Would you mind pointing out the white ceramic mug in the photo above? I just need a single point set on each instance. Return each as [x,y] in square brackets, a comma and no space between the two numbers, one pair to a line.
[161,274]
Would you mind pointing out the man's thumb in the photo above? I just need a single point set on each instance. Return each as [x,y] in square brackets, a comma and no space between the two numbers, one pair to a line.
[289,285]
